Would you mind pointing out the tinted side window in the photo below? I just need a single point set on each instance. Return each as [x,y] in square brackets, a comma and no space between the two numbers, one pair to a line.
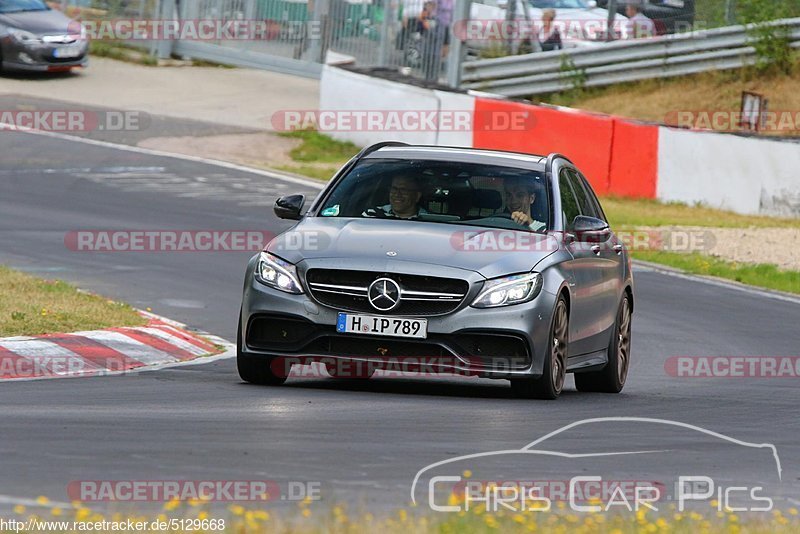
[592,198]
[600,213]
[585,205]
[569,204]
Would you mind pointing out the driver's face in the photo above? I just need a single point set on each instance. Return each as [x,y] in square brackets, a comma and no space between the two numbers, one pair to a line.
[404,196]
[519,199]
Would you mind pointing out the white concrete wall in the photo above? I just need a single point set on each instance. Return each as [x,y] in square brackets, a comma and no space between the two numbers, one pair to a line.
[742,174]
[342,90]
[451,103]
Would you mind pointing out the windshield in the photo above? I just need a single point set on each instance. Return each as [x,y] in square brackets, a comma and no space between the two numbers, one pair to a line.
[560,4]
[442,192]
[16,6]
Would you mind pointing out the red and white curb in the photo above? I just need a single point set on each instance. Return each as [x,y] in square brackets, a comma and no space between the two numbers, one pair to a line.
[160,343]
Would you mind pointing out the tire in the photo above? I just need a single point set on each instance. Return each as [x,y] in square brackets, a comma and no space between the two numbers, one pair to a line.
[551,383]
[611,378]
[255,369]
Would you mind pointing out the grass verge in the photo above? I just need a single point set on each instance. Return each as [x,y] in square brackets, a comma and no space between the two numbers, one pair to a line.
[660,100]
[319,148]
[627,212]
[121,52]
[32,306]
[318,156]
[758,275]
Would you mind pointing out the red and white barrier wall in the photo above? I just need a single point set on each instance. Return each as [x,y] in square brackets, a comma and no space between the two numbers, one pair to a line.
[619,156]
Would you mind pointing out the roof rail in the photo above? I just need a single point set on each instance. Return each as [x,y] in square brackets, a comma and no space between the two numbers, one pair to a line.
[377,146]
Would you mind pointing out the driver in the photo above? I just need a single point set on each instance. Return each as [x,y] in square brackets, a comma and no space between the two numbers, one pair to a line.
[404,196]
[520,195]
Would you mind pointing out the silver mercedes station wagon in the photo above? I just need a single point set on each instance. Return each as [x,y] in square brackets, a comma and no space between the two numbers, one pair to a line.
[441,260]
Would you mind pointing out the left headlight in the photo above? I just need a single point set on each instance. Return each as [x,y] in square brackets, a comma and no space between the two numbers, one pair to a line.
[509,290]
[277,273]
[24,36]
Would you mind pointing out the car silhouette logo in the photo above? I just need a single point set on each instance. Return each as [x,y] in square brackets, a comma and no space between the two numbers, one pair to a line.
[384,294]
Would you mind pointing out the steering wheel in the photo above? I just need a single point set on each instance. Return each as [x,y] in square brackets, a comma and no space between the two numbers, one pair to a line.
[378,213]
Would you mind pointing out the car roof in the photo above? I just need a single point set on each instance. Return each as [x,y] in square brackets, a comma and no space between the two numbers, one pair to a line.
[461,154]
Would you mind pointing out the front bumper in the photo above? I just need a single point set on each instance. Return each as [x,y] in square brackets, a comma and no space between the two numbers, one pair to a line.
[495,342]
[41,57]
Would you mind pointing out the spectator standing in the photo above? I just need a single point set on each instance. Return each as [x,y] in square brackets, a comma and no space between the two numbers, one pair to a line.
[549,36]
[638,25]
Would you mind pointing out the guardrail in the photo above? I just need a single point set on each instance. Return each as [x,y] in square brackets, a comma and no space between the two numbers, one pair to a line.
[617,62]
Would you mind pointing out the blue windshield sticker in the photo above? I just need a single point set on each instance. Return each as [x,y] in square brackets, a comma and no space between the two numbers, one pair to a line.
[333,211]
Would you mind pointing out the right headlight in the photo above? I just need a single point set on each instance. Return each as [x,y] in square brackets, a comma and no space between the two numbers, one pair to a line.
[277,273]
[23,36]
[509,290]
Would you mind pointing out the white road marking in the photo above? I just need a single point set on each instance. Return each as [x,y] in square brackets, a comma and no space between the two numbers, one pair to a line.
[669,271]
[150,152]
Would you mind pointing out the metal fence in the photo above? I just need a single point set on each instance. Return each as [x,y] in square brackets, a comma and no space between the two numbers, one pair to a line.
[422,41]
[297,36]
[617,62]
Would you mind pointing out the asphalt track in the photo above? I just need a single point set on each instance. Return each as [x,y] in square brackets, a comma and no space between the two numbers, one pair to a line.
[362,441]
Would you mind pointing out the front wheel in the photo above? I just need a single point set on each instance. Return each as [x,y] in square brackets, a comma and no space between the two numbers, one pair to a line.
[551,383]
[255,369]
[611,378]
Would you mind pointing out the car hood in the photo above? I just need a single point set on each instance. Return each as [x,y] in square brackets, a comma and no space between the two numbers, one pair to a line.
[489,252]
[41,22]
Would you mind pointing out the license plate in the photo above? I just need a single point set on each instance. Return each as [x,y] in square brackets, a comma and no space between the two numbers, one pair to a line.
[67,51]
[349,323]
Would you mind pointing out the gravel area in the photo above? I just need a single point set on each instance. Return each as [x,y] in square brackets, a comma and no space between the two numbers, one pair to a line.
[745,245]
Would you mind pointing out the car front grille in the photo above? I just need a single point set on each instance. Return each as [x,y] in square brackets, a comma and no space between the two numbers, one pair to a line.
[419,294]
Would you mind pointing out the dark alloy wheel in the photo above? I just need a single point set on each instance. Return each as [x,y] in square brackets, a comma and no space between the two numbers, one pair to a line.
[611,378]
[551,383]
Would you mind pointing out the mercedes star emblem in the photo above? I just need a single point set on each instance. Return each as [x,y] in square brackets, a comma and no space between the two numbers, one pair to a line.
[384,294]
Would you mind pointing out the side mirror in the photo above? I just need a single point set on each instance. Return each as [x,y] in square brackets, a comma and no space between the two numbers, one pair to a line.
[289,207]
[590,229]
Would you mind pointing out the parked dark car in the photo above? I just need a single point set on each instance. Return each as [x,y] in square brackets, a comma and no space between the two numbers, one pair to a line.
[669,16]
[35,37]
[487,263]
